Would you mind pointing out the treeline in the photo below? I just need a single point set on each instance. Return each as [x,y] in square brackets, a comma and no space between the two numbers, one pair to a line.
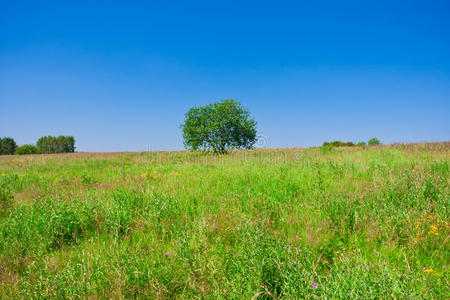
[371,142]
[45,145]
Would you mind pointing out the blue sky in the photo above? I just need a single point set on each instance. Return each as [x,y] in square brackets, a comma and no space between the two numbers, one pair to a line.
[119,76]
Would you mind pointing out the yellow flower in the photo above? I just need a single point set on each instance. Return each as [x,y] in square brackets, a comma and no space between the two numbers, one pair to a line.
[428,271]
[434,230]
[3,174]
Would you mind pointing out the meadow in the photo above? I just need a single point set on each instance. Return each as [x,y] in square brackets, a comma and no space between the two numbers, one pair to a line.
[349,222]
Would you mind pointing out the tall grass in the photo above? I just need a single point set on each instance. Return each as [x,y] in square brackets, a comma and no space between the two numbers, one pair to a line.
[354,222]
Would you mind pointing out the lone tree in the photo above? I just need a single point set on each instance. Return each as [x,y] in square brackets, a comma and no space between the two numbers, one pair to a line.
[374,142]
[219,126]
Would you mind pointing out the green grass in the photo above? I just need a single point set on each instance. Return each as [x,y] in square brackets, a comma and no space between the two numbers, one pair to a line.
[359,222]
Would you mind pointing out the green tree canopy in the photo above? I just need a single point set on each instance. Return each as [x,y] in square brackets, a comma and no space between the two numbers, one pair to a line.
[26,149]
[7,145]
[53,144]
[219,126]
[374,142]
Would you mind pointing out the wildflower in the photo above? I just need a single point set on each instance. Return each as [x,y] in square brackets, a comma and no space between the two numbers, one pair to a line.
[3,174]
[443,267]
[434,230]
[428,271]
[166,255]
[424,268]
[314,285]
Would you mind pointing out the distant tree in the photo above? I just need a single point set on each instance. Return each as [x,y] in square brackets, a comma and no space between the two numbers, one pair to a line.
[7,145]
[26,149]
[66,143]
[47,144]
[338,144]
[361,144]
[219,126]
[373,142]
[52,144]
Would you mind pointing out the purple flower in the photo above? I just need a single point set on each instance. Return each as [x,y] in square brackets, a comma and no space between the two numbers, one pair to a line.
[424,268]
[314,285]
[166,255]
[443,267]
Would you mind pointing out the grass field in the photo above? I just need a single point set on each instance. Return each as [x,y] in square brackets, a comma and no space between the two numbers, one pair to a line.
[369,222]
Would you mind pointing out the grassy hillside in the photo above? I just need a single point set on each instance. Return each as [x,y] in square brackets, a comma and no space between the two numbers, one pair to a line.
[354,222]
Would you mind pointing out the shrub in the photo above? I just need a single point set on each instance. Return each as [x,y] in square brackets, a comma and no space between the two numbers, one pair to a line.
[362,144]
[374,142]
[219,126]
[26,149]
[7,145]
[338,144]
[52,144]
